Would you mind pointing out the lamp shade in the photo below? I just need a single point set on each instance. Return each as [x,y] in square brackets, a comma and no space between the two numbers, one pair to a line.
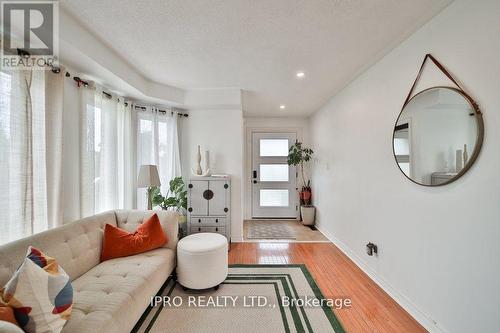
[148,176]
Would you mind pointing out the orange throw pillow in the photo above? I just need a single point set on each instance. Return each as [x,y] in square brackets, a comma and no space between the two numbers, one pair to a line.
[120,243]
[7,314]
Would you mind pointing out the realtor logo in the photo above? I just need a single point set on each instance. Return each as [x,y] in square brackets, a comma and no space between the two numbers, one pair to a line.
[30,29]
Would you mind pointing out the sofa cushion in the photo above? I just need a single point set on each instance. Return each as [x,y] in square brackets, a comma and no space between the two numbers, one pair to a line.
[76,246]
[112,296]
[40,293]
[121,243]
[130,219]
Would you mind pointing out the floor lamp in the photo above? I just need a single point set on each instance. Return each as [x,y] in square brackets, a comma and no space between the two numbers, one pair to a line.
[149,178]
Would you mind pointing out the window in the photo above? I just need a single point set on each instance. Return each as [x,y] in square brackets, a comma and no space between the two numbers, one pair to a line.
[157,143]
[274,198]
[273,147]
[25,153]
[5,89]
[274,172]
[105,162]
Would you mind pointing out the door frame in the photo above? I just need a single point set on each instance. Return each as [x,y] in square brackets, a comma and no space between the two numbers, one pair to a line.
[247,177]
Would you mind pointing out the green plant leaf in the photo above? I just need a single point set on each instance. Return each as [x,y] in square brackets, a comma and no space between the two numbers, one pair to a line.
[298,156]
[157,198]
[176,197]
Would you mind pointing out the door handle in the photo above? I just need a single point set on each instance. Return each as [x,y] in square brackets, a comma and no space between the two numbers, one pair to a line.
[255,182]
[254,174]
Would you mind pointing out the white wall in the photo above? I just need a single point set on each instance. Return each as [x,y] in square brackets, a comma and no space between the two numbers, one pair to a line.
[438,247]
[299,125]
[221,133]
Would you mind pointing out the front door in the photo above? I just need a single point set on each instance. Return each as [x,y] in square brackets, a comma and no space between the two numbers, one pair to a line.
[274,182]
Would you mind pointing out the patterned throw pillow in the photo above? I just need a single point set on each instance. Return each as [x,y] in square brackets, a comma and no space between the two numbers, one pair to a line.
[40,293]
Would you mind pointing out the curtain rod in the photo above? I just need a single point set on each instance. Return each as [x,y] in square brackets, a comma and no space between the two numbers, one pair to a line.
[56,70]
[143,108]
[108,95]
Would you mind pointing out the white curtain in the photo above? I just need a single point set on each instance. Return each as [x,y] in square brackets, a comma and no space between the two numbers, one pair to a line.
[30,152]
[158,144]
[106,172]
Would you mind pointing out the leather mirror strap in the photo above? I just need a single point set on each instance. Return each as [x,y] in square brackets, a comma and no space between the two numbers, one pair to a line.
[442,69]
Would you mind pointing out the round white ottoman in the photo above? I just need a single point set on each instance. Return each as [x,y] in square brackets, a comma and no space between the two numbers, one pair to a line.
[202,260]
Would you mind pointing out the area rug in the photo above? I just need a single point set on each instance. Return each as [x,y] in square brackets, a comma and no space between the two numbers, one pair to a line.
[269,230]
[254,298]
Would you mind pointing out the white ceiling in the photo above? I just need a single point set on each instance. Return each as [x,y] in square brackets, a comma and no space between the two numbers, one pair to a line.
[255,45]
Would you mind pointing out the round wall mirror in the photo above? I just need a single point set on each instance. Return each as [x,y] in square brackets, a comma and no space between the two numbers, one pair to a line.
[437,136]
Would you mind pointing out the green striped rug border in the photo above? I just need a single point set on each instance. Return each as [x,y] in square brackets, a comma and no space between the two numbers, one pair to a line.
[149,308]
[337,326]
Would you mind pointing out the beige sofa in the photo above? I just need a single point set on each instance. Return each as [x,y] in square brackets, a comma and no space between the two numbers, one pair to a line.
[110,296]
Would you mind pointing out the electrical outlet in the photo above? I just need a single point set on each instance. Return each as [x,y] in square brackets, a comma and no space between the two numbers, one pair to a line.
[371,249]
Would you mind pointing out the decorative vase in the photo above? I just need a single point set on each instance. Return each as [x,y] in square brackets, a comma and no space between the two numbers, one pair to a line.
[198,170]
[459,161]
[305,197]
[206,163]
[308,215]
[466,155]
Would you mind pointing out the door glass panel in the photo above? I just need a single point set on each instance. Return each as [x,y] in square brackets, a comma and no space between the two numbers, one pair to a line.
[273,147]
[405,167]
[274,172]
[274,198]
[401,146]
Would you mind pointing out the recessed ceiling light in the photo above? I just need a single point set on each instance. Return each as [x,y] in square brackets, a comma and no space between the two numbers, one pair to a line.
[282,107]
[300,74]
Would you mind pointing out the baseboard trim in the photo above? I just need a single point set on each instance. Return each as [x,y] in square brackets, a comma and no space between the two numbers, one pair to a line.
[423,319]
[283,241]
[236,239]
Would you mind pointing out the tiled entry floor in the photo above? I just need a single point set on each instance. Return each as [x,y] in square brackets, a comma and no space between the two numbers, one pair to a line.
[301,232]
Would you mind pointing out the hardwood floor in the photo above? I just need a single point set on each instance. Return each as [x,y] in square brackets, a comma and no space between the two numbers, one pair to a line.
[372,309]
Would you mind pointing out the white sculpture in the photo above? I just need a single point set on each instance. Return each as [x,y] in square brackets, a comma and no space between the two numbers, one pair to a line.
[197,171]
[198,162]
[206,163]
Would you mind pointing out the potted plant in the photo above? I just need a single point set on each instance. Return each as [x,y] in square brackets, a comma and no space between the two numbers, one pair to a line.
[298,156]
[176,199]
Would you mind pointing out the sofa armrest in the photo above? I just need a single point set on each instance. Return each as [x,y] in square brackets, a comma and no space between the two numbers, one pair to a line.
[170,222]
[130,219]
